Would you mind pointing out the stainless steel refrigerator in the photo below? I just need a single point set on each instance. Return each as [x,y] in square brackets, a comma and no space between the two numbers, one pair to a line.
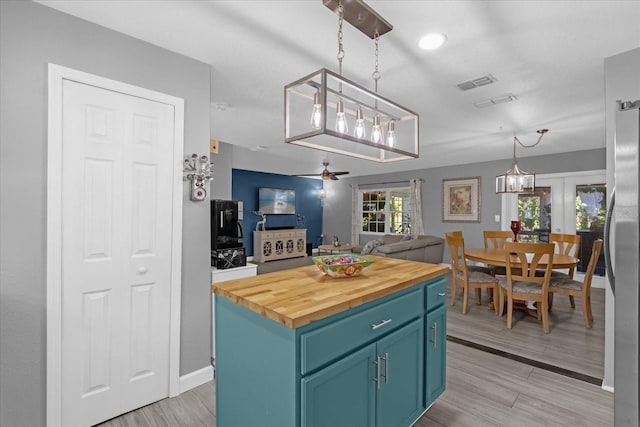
[622,246]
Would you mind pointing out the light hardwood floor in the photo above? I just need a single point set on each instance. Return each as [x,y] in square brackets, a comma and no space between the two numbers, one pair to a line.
[483,389]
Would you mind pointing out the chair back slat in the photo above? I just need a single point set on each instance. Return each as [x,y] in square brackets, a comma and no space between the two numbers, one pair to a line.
[496,238]
[593,261]
[567,244]
[455,242]
[523,259]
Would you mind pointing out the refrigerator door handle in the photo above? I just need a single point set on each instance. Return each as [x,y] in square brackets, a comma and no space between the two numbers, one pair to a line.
[607,242]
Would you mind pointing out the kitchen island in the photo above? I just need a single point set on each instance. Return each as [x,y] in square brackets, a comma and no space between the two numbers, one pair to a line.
[297,348]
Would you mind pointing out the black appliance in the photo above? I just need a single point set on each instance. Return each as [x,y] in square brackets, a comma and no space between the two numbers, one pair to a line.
[226,235]
[226,230]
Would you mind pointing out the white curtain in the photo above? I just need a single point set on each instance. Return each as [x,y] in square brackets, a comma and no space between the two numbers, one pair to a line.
[415,199]
[355,213]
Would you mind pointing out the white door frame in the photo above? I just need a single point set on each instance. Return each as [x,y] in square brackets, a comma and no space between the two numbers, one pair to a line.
[54,228]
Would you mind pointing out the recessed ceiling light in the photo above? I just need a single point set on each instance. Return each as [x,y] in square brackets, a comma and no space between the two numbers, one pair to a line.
[432,41]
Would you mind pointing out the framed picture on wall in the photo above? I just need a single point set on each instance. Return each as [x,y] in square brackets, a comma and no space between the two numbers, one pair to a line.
[461,199]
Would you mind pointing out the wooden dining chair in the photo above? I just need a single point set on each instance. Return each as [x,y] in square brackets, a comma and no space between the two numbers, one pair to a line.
[571,287]
[465,276]
[522,282]
[566,244]
[496,239]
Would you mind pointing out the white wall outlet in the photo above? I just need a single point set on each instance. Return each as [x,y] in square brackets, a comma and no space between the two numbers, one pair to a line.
[496,218]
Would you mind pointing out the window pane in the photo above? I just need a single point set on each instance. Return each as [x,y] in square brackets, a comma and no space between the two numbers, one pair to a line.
[591,206]
[534,213]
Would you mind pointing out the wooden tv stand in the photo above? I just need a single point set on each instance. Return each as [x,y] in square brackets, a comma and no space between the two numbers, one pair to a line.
[279,244]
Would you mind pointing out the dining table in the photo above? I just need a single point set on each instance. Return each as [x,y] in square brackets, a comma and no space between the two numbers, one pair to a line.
[497,256]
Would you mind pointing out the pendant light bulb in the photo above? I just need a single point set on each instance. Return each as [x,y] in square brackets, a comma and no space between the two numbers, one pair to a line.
[376,131]
[341,119]
[316,113]
[359,131]
[391,134]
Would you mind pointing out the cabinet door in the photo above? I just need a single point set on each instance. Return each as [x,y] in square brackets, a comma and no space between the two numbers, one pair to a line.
[399,400]
[436,353]
[342,394]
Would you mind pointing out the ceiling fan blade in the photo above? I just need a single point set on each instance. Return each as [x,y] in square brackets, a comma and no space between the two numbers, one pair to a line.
[334,177]
[306,174]
[340,173]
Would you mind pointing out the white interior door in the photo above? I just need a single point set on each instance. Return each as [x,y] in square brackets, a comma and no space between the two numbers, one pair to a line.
[117,172]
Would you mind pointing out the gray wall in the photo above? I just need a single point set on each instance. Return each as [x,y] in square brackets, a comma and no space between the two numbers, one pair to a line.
[337,217]
[32,35]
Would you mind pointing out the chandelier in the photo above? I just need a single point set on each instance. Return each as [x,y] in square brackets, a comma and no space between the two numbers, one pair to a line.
[515,180]
[321,108]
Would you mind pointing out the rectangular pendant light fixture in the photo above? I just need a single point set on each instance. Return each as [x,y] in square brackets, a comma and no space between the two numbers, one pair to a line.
[329,89]
[328,112]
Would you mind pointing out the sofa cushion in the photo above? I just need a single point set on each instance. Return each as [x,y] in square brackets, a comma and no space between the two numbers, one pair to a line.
[391,238]
[370,246]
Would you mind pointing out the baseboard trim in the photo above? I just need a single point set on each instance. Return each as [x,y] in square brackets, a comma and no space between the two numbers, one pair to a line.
[527,361]
[196,378]
[607,388]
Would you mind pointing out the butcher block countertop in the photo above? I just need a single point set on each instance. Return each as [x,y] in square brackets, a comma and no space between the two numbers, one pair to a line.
[299,296]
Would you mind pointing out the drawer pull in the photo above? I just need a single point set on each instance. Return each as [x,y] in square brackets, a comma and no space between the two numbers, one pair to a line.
[442,294]
[380,325]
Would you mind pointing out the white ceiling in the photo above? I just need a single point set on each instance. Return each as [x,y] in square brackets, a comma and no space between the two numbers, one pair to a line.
[549,54]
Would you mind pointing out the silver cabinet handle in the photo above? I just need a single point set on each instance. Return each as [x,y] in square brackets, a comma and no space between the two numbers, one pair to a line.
[221,219]
[386,368]
[435,335]
[375,326]
[377,378]
[442,294]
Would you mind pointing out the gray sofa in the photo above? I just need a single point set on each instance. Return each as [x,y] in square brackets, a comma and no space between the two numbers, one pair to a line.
[424,248]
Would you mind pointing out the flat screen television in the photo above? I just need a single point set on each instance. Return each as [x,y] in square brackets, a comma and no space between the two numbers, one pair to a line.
[276,201]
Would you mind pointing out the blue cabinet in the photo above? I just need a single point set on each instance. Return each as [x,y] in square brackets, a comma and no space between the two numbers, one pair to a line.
[371,365]
[342,393]
[435,353]
[400,382]
[380,385]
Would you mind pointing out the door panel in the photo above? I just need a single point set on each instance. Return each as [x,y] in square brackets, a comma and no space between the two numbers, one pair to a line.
[117,155]
[436,353]
[342,394]
[399,400]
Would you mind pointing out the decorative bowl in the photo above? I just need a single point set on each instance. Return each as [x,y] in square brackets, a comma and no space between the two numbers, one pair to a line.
[345,265]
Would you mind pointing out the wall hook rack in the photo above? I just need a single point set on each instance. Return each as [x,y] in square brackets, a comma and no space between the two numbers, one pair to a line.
[198,171]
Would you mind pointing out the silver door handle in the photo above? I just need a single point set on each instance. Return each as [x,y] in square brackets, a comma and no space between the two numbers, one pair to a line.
[377,378]
[386,368]
[442,294]
[221,219]
[375,326]
[607,242]
[435,335]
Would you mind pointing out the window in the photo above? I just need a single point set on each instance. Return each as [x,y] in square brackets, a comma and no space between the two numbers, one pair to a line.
[385,211]
[534,213]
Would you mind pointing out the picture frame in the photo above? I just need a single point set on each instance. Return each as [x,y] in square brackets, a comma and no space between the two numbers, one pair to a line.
[461,199]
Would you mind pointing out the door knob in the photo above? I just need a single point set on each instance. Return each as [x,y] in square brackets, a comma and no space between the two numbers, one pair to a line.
[142,270]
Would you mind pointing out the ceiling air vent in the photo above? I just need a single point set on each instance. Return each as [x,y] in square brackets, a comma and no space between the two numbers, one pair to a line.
[480,81]
[494,101]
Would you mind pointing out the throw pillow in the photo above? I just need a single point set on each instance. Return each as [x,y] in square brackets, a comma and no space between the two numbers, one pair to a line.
[370,246]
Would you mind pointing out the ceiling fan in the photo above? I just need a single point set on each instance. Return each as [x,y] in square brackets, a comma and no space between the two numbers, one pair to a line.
[326,174]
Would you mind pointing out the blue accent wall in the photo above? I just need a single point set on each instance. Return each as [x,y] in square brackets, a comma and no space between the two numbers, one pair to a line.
[244,187]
